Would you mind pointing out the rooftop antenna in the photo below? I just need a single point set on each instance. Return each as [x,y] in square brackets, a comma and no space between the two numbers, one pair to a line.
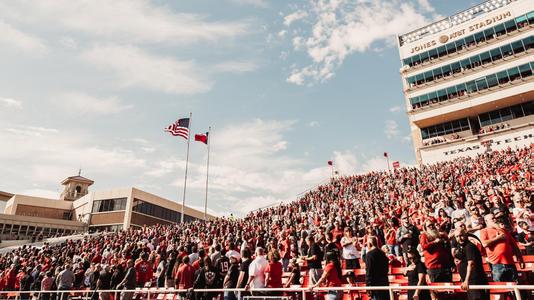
[80,172]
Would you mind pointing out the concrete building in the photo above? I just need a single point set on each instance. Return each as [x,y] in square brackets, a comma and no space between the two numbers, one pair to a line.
[79,210]
[468,81]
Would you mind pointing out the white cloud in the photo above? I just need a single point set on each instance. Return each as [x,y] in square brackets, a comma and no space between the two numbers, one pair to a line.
[123,20]
[293,17]
[392,129]
[282,33]
[135,67]
[79,103]
[258,3]
[341,28]
[235,67]
[11,36]
[395,109]
[10,103]
[50,155]
[426,5]
[313,124]
[68,42]
[345,162]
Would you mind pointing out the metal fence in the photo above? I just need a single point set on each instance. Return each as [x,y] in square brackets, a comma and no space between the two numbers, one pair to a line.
[155,293]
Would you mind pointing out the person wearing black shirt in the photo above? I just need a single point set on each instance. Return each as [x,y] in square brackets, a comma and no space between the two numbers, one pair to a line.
[314,258]
[330,245]
[243,268]
[222,265]
[470,268]
[104,283]
[376,269]
[129,281]
[230,280]
[416,273]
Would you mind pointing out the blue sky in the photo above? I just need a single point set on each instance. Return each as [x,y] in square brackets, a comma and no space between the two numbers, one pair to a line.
[285,85]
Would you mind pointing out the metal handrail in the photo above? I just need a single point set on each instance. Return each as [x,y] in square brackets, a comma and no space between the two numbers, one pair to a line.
[515,288]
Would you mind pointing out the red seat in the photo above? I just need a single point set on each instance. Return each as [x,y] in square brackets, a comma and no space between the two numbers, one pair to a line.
[528,258]
[501,294]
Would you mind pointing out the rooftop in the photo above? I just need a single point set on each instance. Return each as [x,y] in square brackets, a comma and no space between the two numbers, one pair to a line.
[456,19]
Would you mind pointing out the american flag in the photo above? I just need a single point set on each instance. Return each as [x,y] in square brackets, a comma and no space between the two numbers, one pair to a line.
[179,128]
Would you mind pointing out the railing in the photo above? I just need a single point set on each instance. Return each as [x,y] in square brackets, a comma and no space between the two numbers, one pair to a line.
[151,293]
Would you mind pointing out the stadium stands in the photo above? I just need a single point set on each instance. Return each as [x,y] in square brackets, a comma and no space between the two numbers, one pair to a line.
[336,234]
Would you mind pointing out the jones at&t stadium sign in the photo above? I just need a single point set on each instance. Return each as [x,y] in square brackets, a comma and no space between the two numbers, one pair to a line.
[489,143]
[459,33]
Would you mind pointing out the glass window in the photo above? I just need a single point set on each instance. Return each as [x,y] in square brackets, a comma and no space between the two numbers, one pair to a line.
[433,54]
[517,47]
[503,77]
[442,51]
[530,16]
[475,61]
[461,89]
[525,70]
[489,34]
[460,44]
[500,30]
[495,117]
[517,111]
[466,64]
[407,61]
[451,48]
[529,42]
[521,21]
[479,37]
[471,86]
[451,92]
[485,58]
[510,26]
[492,80]
[419,79]
[481,84]
[442,95]
[495,54]
[456,67]
[424,57]
[416,59]
[513,73]
[470,41]
[433,97]
[446,70]
[428,76]
[506,114]
[528,108]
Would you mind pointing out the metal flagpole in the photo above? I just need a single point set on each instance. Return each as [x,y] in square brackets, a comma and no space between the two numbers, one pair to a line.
[186,164]
[207,176]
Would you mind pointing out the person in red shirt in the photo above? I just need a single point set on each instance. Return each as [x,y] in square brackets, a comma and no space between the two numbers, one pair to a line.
[273,272]
[144,271]
[331,276]
[11,278]
[500,249]
[185,277]
[436,252]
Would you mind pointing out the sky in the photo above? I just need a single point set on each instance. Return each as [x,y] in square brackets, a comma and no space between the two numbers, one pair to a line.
[285,86]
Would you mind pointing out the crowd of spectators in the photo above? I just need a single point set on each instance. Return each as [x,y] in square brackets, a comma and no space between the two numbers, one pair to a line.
[431,221]
[493,128]
[441,139]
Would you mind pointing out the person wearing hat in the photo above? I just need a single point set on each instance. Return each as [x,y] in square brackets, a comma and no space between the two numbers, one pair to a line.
[436,251]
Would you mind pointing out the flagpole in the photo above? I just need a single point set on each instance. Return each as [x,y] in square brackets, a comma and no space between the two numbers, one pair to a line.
[207,176]
[186,165]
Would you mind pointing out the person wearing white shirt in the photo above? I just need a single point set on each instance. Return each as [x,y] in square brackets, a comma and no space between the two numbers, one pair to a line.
[256,270]
[350,253]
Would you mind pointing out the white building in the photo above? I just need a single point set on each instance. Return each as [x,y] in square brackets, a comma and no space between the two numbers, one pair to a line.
[468,81]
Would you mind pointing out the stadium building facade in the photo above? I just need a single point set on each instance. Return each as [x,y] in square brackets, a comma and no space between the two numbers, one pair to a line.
[468,81]
[80,210]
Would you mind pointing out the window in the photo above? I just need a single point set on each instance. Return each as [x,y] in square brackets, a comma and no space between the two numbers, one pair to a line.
[485,58]
[456,67]
[481,84]
[471,86]
[492,80]
[517,47]
[510,26]
[495,54]
[513,73]
[157,211]
[445,128]
[459,44]
[442,51]
[521,21]
[500,30]
[479,37]
[530,16]
[451,48]
[109,205]
[505,114]
[503,77]
[525,70]
[433,54]
[489,34]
